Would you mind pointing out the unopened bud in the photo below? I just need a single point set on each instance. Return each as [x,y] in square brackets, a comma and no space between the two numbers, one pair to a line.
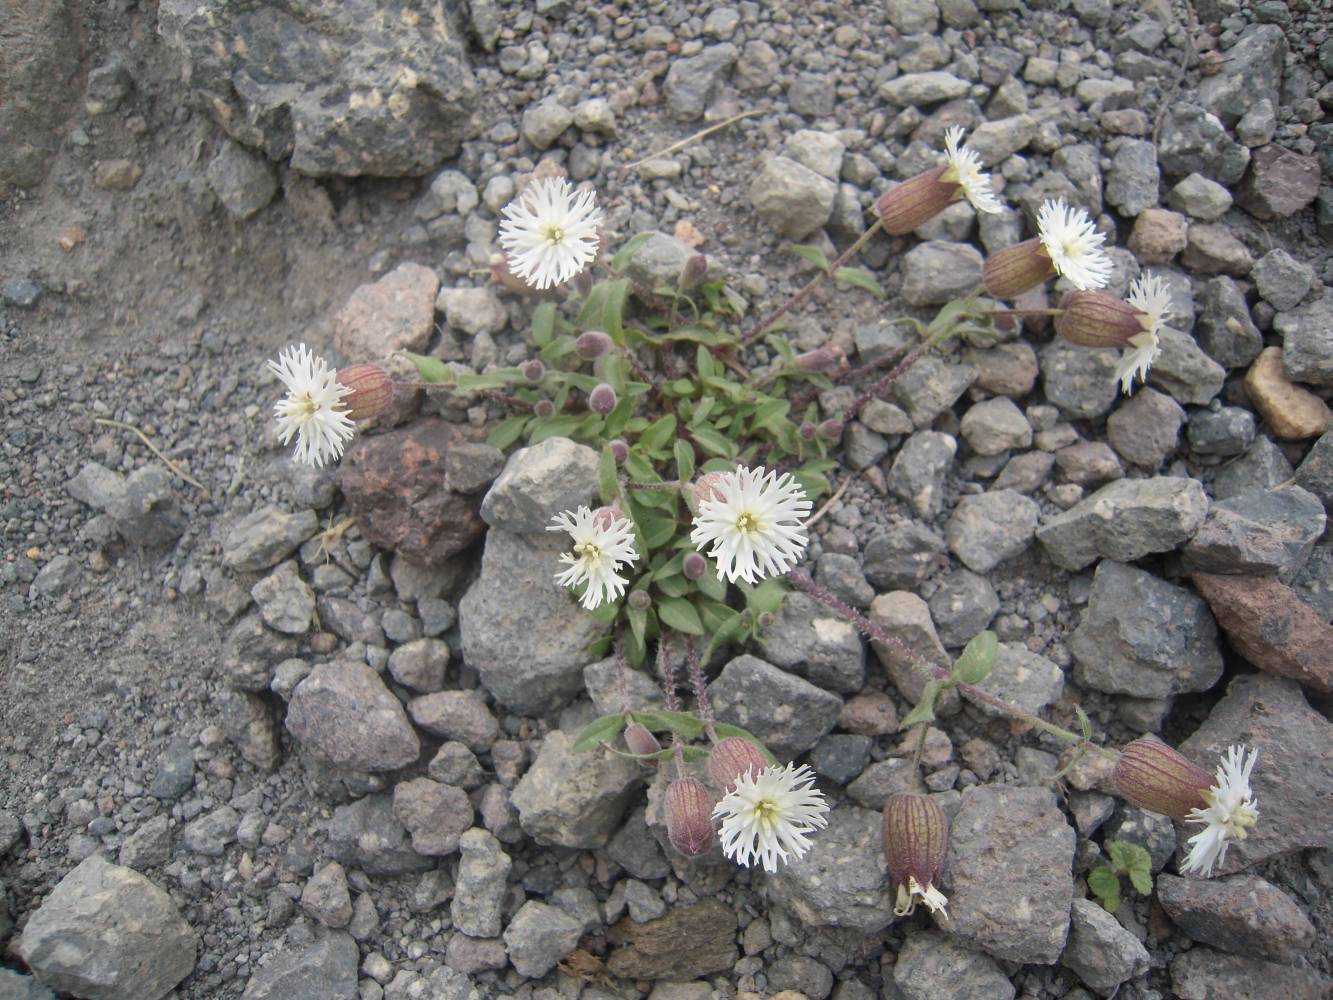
[732,759]
[916,836]
[1010,272]
[639,740]
[602,399]
[807,431]
[830,430]
[619,450]
[708,487]
[820,360]
[544,408]
[1096,319]
[592,345]
[372,390]
[1155,777]
[534,370]
[696,266]
[605,518]
[766,619]
[915,202]
[639,600]
[693,566]
[689,817]
[583,282]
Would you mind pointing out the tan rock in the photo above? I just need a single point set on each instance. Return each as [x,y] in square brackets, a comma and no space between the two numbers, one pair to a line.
[117,175]
[1159,234]
[393,314]
[1214,249]
[1294,413]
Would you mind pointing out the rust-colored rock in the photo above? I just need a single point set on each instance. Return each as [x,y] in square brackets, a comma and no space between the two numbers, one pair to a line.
[1271,627]
[688,943]
[397,487]
[1242,914]
[1294,413]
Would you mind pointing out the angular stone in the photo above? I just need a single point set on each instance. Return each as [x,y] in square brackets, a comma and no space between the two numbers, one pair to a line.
[692,82]
[1293,779]
[1132,181]
[843,880]
[995,426]
[1282,280]
[107,933]
[963,605]
[1010,862]
[456,715]
[395,313]
[210,833]
[921,89]
[786,713]
[420,664]
[539,936]
[1205,974]
[326,897]
[1307,342]
[285,601]
[904,556]
[243,182]
[1315,472]
[394,484]
[933,966]
[793,199]
[1005,369]
[1200,198]
[1193,140]
[988,528]
[1226,431]
[472,311]
[1262,467]
[1144,637]
[1184,371]
[930,387]
[343,710]
[1280,183]
[1158,235]
[479,895]
[1259,533]
[1224,328]
[1293,412]
[1088,463]
[1125,520]
[570,799]
[918,470]
[906,617]
[366,834]
[1213,248]
[1079,380]
[539,482]
[816,644]
[1251,71]
[1145,428]
[1243,914]
[266,537]
[1101,952]
[434,814]
[544,121]
[1023,678]
[324,969]
[689,942]
[937,271]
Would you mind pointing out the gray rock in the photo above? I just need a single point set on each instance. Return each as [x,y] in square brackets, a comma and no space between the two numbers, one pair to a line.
[266,537]
[816,644]
[894,776]
[692,82]
[603,685]
[420,664]
[1226,431]
[1149,830]
[988,528]
[1079,380]
[57,577]
[1125,520]
[285,601]
[243,182]
[570,799]
[212,832]
[994,426]
[97,486]
[147,512]
[1184,371]
[1282,280]
[918,470]
[937,271]
[904,556]
[1101,952]
[1145,428]
[1266,532]
[791,198]
[544,121]
[16,987]
[862,447]
[344,711]
[307,71]
[450,193]
[1307,342]
[1250,73]
[538,937]
[912,17]
[1193,141]
[434,814]
[843,880]
[366,834]
[175,770]
[1243,914]
[932,386]
[1010,863]
[840,757]
[455,764]
[1262,467]
[757,66]
[149,846]
[1223,325]
[906,617]
[1025,473]
[658,261]
[1132,181]
[480,892]
[531,663]
[1144,637]
[539,482]
[1315,472]
[1200,197]
[324,969]
[326,897]
[1022,678]
[456,715]
[933,966]
[474,312]
[1202,973]
[786,713]
[963,605]
[820,151]
[843,577]
[915,90]
[107,933]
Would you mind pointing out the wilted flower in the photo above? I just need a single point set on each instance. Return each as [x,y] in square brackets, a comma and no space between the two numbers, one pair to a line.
[1152,301]
[1153,776]
[603,542]
[313,410]
[372,390]
[1228,814]
[916,836]
[731,758]
[919,199]
[753,523]
[1073,244]
[550,232]
[1097,319]
[821,359]
[693,271]
[688,817]
[767,816]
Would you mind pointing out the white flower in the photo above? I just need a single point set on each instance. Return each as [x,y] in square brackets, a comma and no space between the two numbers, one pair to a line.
[753,522]
[313,411]
[1074,246]
[549,232]
[767,816]
[603,542]
[1149,296]
[1231,811]
[965,169]
[908,894]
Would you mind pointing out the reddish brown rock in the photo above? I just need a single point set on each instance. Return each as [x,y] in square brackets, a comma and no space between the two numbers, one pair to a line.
[1243,914]
[687,943]
[1214,249]
[1279,183]
[1204,974]
[397,487]
[1271,627]
[393,314]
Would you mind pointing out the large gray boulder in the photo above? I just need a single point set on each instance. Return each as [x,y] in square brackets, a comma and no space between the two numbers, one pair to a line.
[343,87]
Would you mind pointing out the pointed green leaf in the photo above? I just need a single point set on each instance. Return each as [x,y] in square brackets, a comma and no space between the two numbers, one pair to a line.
[430,369]
[683,452]
[811,255]
[626,253]
[659,433]
[507,431]
[925,711]
[600,730]
[859,277]
[678,613]
[660,720]
[977,659]
[607,486]
[562,425]
[712,441]
[767,596]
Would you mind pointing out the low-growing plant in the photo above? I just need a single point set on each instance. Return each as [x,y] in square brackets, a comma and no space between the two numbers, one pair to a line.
[1126,859]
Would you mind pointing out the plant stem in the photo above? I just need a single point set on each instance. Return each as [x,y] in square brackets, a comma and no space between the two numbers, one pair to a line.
[908,360]
[700,688]
[804,293]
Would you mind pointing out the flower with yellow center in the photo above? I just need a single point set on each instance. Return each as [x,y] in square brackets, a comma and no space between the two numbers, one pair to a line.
[550,233]
[1229,813]
[313,410]
[603,542]
[752,520]
[768,815]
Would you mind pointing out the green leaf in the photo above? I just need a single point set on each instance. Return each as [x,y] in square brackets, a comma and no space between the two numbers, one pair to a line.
[639,468]
[507,431]
[559,348]
[1105,885]
[558,426]
[1141,878]
[714,614]
[683,452]
[727,731]
[656,529]
[601,730]
[430,369]
[713,442]
[732,627]
[679,614]
[767,596]
[659,432]
[626,253]
[710,586]
[859,277]
[543,324]
[811,255]
[925,711]
[500,378]
[607,487]
[638,621]
[705,364]
[681,723]
[1084,723]
[769,414]
[1134,861]
[604,309]
[977,659]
